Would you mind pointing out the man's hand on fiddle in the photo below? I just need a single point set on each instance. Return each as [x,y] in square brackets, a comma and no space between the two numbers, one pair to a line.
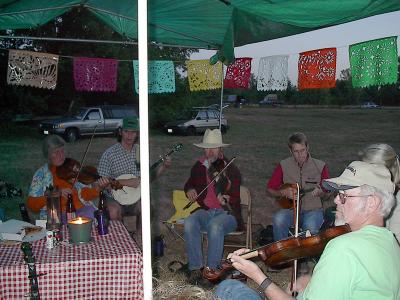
[317,192]
[247,267]
[65,192]
[191,195]
[288,193]
[223,199]
[103,182]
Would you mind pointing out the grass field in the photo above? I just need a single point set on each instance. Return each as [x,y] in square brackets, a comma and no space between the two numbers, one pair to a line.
[257,137]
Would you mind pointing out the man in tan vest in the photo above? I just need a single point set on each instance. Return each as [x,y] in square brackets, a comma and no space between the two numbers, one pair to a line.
[308,172]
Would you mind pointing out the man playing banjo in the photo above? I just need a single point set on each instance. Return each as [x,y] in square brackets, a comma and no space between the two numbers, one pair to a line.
[121,161]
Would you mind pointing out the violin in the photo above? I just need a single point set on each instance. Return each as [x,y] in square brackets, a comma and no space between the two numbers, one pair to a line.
[287,203]
[283,252]
[222,182]
[71,169]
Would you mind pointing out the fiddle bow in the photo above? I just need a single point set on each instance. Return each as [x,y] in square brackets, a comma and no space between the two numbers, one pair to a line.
[282,252]
[211,182]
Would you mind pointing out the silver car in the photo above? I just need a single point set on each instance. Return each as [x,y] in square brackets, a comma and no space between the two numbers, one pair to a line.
[196,121]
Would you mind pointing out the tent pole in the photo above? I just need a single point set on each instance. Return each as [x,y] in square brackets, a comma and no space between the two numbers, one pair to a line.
[34,38]
[222,96]
[144,151]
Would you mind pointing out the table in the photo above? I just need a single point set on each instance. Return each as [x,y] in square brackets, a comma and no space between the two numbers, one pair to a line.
[109,267]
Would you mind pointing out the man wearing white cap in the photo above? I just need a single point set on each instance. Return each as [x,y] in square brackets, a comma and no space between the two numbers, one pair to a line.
[362,264]
[212,217]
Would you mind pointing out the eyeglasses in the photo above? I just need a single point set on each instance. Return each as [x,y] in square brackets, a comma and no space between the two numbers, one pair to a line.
[343,196]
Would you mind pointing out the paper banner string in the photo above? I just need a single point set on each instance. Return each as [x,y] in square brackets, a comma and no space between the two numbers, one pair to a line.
[95,74]
[32,69]
[204,76]
[161,76]
[238,74]
[374,62]
[273,73]
[317,69]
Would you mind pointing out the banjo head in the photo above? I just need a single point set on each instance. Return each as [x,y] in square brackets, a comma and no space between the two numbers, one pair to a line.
[127,195]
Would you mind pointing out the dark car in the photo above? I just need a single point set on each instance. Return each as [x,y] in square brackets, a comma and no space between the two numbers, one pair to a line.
[196,121]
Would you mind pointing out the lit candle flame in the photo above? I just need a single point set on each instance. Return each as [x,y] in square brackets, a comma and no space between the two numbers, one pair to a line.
[79,221]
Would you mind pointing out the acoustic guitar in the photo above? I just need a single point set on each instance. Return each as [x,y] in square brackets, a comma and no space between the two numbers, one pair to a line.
[286,202]
[129,195]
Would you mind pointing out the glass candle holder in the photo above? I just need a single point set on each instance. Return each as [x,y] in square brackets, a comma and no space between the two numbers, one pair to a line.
[80,230]
[53,198]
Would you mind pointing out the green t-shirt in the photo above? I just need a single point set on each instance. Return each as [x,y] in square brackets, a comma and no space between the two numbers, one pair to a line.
[360,265]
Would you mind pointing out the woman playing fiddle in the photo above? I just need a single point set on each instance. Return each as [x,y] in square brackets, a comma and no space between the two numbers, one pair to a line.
[53,151]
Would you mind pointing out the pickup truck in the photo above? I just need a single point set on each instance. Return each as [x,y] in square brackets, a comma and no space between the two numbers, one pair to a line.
[107,118]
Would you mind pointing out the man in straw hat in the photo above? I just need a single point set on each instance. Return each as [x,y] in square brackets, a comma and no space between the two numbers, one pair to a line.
[219,212]
[361,264]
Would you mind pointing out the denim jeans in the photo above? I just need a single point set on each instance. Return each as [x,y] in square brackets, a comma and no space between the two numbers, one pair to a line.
[217,223]
[235,290]
[309,220]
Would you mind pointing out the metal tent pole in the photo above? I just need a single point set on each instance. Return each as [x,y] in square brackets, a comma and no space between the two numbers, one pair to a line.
[222,96]
[144,151]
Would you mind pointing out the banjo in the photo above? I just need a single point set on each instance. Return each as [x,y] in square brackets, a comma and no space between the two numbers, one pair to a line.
[129,195]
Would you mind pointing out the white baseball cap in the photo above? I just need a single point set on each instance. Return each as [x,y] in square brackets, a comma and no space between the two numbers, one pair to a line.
[360,173]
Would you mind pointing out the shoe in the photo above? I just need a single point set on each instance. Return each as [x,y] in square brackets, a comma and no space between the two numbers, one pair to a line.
[196,278]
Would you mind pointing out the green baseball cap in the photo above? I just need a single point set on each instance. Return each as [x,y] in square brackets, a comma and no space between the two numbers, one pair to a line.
[130,123]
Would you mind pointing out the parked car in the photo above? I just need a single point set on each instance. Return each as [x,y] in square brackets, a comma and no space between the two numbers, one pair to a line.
[107,118]
[196,121]
[369,104]
[271,99]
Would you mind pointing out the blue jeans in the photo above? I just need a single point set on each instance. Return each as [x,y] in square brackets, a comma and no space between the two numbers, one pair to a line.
[235,290]
[217,223]
[309,220]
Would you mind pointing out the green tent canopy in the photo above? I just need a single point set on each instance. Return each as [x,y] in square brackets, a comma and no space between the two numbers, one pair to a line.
[208,24]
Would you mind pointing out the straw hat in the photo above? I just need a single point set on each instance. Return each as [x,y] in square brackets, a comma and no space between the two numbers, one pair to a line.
[212,139]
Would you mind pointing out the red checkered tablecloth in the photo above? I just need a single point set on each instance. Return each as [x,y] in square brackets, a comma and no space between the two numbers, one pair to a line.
[109,267]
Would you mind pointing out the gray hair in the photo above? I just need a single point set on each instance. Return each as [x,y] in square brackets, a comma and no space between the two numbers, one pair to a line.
[387,198]
[50,143]
[383,154]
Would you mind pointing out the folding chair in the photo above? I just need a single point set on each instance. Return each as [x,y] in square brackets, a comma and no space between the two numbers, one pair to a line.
[177,220]
[245,203]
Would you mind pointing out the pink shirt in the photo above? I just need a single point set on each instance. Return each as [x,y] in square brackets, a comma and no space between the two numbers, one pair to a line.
[211,200]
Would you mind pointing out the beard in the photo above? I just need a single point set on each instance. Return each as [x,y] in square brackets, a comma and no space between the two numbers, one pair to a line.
[339,220]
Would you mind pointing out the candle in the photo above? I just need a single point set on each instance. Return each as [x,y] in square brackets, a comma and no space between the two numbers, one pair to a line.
[80,230]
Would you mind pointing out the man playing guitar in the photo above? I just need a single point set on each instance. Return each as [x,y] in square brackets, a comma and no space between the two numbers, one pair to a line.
[308,172]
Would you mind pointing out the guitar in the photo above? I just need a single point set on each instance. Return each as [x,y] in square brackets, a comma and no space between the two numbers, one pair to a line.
[180,201]
[287,203]
[129,195]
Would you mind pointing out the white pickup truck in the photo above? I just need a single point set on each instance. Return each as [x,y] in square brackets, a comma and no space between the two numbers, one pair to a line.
[107,118]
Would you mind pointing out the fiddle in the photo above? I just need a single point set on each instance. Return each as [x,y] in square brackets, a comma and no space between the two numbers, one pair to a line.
[71,170]
[282,252]
[287,203]
[222,181]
